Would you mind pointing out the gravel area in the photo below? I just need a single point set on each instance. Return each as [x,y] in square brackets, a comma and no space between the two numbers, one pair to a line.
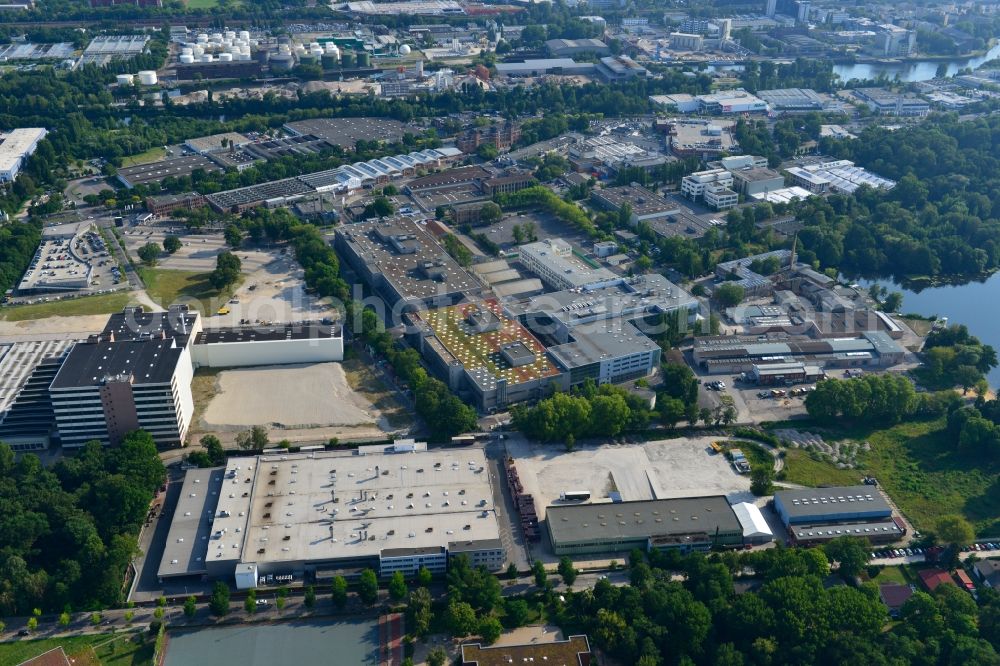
[287,396]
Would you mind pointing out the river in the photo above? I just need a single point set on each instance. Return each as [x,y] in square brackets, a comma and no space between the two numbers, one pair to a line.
[970,304]
[917,70]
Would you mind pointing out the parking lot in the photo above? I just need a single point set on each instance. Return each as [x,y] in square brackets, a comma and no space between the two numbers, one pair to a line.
[681,467]
[68,263]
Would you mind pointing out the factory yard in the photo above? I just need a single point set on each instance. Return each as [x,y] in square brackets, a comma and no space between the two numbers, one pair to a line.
[287,396]
[272,289]
[682,467]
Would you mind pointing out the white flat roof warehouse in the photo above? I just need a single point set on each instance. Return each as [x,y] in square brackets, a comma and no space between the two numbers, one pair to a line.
[325,506]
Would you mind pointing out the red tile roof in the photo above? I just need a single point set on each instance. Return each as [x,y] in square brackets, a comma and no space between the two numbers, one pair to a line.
[934,577]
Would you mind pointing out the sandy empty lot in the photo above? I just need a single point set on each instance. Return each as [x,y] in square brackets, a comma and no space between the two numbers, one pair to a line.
[287,396]
[654,470]
[277,294]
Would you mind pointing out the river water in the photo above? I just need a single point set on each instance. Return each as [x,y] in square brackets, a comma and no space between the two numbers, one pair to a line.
[972,304]
[919,70]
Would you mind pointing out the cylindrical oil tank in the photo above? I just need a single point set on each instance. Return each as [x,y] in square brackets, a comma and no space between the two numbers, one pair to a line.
[347,59]
[186,58]
[282,62]
[124,79]
[147,77]
[329,61]
[364,59]
[225,57]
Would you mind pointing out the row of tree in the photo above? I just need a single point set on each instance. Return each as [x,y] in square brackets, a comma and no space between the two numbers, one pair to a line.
[590,411]
[875,398]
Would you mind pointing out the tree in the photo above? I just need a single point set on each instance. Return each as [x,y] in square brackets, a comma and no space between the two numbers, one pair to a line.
[250,603]
[760,480]
[233,235]
[219,603]
[338,591]
[512,571]
[461,619]
[489,213]
[892,302]
[64,619]
[397,586]
[419,609]
[437,656]
[517,612]
[171,244]
[254,439]
[729,294]
[850,552]
[567,571]
[955,530]
[541,576]
[368,587]
[379,207]
[149,253]
[32,623]
[424,577]
[227,270]
[190,606]
[490,629]
[309,600]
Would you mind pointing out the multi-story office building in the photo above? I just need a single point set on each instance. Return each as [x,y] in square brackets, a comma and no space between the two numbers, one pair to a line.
[553,261]
[694,184]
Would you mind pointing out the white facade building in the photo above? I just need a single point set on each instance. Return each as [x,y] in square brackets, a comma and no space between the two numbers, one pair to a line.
[693,185]
[15,148]
[553,261]
[283,345]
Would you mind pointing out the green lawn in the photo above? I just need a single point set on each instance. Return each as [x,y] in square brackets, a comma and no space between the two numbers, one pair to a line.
[891,575]
[151,155]
[919,466]
[803,469]
[167,287]
[109,649]
[86,305]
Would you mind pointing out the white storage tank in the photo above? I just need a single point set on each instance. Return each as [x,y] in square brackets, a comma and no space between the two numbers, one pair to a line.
[197,51]
[208,57]
[147,77]
[124,79]
[186,58]
[244,34]
[202,38]
[404,50]
[216,36]
[230,34]
[225,57]
[187,50]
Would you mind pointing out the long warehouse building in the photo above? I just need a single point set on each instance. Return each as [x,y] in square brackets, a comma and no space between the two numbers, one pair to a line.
[321,514]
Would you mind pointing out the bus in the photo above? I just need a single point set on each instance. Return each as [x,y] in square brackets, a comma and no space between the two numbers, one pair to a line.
[574,496]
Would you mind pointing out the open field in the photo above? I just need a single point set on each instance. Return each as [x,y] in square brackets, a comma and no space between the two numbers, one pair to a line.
[109,650]
[167,287]
[71,307]
[151,155]
[920,467]
[288,396]
[680,467]
[364,382]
